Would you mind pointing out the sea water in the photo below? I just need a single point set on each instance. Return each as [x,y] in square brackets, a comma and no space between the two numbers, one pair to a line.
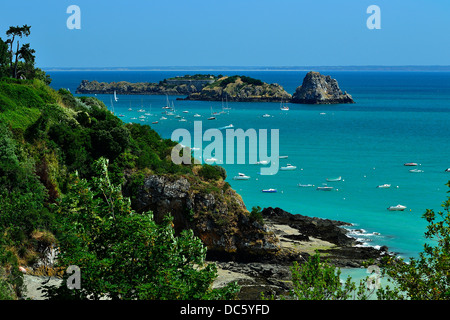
[398,117]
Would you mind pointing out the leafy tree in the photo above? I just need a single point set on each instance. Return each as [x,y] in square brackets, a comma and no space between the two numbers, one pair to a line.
[4,58]
[19,61]
[428,276]
[316,280]
[13,33]
[126,255]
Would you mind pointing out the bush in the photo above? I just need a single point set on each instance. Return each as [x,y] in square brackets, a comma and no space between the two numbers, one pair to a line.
[209,172]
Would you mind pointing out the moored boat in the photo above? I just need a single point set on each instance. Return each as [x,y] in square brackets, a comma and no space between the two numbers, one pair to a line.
[241,176]
[289,167]
[325,188]
[384,186]
[269,190]
[398,207]
[415,170]
[334,179]
[305,185]
[410,164]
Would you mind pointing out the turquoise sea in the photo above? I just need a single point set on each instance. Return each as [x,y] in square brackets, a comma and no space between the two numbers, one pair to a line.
[398,117]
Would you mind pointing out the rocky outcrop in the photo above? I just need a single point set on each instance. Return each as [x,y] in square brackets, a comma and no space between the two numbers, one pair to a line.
[341,249]
[319,89]
[168,87]
[215,213]
[241,89]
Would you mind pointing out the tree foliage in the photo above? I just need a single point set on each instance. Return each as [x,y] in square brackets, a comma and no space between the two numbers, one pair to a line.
[18,61]
[126,255]
[428,276]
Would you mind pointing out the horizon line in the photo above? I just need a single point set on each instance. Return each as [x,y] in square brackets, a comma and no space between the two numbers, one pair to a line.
[260,68]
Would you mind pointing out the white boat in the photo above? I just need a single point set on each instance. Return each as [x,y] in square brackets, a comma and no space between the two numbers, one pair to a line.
[289,167]
[384,186]
[227,127]
[325,188]
[283,107]
[334,179]
[115,96]
[210,160]
[185,111]
[197,115]
[155,122]
[398,207]
[266,115]
[129,109]
[241,176]
[121,115]
[305,185]
[182,120]
[269,190]
[282,157]
[262,162]
[142,117]
[447,170]
[141,110]
[415,170]
[163,118]
[410,164]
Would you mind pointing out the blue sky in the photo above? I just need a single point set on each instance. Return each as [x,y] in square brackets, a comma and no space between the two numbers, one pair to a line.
[138,33]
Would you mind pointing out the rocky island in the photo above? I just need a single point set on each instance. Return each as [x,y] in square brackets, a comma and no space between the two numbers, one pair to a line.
[241,89]
[315,89]
[319,89]
[183,85]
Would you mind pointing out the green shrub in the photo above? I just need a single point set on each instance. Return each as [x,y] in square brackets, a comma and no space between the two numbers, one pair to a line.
[209,172]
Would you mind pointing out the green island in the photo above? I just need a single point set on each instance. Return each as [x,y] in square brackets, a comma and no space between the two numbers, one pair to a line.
[80,187]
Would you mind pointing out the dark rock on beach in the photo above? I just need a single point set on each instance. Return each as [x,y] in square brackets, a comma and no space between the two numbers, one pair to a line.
[299,237]
[320,89]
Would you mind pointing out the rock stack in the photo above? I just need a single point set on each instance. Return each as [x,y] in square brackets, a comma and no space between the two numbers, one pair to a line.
[319,89]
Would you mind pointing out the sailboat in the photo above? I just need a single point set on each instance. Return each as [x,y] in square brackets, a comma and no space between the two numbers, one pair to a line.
[112,107]
[167,103]
[283,107]
[226,104]
[212,118]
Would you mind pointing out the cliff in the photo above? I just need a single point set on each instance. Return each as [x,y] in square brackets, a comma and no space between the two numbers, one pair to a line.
[165,87]
[214,211]
[241,89]
[319,89]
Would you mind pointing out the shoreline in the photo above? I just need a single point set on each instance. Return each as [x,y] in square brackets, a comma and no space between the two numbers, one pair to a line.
[299,237]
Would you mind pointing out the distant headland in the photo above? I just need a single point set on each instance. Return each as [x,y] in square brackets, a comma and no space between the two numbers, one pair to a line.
[405,68]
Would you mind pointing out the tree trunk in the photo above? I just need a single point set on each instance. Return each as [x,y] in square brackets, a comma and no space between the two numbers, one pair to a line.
[17,60]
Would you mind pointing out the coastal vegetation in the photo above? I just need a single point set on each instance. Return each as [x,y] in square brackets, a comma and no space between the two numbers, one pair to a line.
[74,177]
